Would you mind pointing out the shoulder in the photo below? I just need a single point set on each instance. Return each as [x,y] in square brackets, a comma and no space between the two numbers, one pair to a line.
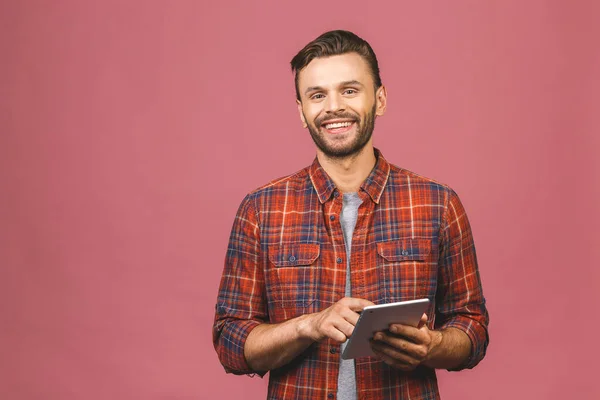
[422,189]
[278,188]
[404,177]
[425,192]
[296,179]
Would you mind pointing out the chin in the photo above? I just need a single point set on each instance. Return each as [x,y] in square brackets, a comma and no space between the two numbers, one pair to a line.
[342,152]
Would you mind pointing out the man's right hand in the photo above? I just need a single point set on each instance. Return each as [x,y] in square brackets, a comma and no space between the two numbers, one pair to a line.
[336,322]
[271,346]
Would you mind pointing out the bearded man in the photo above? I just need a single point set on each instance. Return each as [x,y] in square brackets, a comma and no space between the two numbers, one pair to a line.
[309,251]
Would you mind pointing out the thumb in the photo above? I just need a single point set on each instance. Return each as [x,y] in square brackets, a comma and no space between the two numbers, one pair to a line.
[423,321]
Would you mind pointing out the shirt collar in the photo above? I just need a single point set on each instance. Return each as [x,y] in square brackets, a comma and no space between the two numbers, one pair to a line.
[373,185]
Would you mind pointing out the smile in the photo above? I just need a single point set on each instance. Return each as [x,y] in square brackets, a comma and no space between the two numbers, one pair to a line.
[336,127]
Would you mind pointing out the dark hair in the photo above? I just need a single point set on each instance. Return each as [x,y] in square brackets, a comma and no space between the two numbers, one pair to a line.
[334,43]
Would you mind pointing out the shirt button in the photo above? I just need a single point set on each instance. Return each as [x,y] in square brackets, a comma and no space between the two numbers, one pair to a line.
[332,217]
[332,350]
[292,258]
[404,252]
[330,395]
[339,260]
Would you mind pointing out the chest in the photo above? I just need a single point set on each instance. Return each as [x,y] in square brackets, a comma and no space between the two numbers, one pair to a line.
[393,257]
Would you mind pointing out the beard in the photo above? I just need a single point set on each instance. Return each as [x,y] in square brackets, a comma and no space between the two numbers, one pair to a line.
[364,131]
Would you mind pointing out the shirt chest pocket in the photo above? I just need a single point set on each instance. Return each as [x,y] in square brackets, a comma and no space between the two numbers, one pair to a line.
[407,269]
[293,275]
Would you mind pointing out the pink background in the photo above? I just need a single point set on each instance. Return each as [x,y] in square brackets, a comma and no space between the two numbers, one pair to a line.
[130,132]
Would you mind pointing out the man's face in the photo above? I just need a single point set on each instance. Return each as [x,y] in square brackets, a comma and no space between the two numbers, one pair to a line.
[338,103]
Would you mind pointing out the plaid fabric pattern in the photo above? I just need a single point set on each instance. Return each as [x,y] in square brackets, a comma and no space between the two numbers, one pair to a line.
[286,257]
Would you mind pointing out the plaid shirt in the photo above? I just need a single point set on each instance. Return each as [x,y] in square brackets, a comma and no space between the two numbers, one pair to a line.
[287,257]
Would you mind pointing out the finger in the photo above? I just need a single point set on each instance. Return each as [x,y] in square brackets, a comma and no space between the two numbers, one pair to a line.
[336,329]
[394,353]
[356,304]
[335,334]
[350,316]
[414,351]
[398,361]
[334,326]
[345,327]
[409,332]
[341,310]
[390,361]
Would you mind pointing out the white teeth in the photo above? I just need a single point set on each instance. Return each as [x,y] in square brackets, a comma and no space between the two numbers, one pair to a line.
[338,125]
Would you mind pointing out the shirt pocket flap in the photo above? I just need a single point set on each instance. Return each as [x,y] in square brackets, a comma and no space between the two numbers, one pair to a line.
[405,250]
[293,255]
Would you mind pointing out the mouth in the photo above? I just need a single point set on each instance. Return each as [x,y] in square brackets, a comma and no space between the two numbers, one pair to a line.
[337,126]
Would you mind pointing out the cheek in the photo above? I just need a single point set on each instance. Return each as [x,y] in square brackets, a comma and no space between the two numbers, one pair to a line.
[361,106]
[311,116]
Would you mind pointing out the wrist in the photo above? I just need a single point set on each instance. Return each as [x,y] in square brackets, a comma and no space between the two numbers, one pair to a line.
[304,327]
[437,337]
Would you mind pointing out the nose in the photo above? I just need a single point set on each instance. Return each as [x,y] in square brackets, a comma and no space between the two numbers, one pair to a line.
[334,103]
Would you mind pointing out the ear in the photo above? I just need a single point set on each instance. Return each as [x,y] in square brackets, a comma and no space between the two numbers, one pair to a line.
[380,100]
[304,124]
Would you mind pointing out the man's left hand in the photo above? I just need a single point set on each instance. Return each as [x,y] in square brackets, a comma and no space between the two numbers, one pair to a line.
[406,347]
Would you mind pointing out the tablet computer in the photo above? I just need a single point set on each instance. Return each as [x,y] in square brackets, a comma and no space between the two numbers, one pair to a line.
[378,318]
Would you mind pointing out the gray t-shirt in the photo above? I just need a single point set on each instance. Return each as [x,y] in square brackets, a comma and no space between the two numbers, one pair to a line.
[347,376]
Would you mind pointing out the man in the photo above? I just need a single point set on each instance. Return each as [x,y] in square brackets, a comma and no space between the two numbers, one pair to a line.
[309,251]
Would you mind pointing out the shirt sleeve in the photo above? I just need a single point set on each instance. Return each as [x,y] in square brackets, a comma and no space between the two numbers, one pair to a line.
[459,300]
[241,302]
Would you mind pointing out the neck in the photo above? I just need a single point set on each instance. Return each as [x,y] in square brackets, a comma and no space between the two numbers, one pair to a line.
[350,172]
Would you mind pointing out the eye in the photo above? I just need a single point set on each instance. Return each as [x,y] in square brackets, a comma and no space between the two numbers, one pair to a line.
[350,91]
[317,96]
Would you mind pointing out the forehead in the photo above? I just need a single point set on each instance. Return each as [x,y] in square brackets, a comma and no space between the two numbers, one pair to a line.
[328,71]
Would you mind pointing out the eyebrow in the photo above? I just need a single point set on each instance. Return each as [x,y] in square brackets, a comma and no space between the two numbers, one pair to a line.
[345,83]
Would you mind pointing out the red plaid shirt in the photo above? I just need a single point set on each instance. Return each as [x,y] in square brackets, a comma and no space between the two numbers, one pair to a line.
[287,257]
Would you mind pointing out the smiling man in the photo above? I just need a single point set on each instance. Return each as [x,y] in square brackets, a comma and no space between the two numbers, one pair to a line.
[309,251]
